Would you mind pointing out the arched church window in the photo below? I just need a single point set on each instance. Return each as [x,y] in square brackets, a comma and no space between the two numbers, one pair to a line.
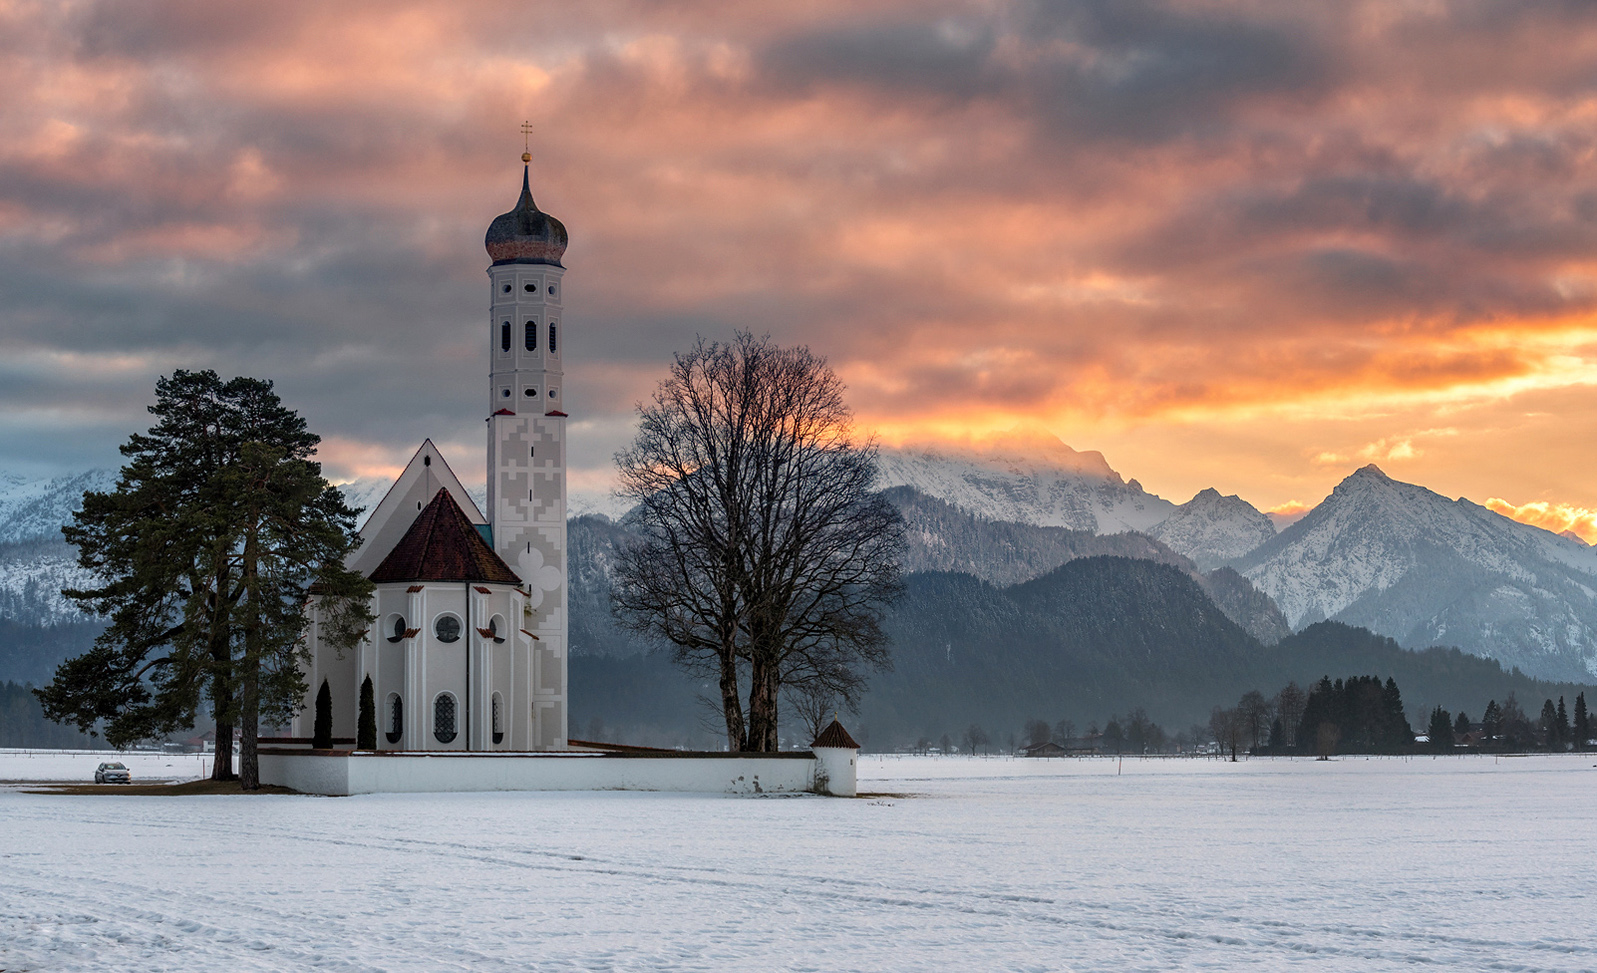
[499,726]
[444,718]
[504,336]
[447,628]
[396,626]
[553,333]
[531,338]
[496,624]
[396,718]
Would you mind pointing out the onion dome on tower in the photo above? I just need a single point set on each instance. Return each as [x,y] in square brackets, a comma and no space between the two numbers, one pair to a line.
[526,234]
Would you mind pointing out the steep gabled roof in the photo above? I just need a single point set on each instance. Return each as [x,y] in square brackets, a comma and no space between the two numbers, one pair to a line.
[426,472]
[443,545]
[835,736]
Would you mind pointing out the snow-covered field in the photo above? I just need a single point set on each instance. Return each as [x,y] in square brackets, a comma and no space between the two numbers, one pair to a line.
[995,864]
[77,766]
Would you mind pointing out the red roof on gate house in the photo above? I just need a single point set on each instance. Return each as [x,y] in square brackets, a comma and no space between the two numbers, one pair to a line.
[442,545]
[835,736]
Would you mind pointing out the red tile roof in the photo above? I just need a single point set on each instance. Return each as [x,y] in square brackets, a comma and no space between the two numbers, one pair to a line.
[442,545]
[835,736]
[504,412]
[557,413]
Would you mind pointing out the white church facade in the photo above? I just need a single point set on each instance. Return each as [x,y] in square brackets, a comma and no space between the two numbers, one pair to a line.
[469,649]
[468,657]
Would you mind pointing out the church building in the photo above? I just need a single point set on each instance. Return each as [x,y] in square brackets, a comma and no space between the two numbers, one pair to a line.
[469,650]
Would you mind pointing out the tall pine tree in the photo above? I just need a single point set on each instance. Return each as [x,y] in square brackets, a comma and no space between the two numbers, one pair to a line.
[1492,723]
[1441,730]
[205,552]
[1548,725]
[1582,728]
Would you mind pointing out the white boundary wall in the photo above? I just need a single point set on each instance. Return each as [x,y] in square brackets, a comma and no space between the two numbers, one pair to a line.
[374,773]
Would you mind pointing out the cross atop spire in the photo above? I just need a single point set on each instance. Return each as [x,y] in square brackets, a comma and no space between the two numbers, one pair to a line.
[526,142]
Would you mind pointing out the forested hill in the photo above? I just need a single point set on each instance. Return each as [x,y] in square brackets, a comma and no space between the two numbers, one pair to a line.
[1106,635]
[1097,636]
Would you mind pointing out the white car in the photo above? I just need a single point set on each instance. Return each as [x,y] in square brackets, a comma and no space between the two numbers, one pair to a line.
[112,772]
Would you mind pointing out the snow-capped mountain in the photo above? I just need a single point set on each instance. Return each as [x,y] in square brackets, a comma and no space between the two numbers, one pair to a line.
[1028,478]
[1409,563]
[35,563]
[36,508]
[366,492]
[1212,529]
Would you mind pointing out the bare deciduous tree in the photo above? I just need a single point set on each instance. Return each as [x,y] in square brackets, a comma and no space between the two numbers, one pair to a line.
[814,704]
[1064,732]
[1227,727]
[1038,732]
[1254,711]
[763,546]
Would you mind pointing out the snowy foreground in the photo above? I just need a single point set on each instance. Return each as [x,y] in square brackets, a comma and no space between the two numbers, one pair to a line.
[992,864]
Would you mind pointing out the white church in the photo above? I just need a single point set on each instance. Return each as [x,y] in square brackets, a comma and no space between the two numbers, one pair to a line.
[468,656]
[469,650]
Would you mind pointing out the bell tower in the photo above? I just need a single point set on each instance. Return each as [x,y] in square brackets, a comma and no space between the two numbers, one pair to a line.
[527,444]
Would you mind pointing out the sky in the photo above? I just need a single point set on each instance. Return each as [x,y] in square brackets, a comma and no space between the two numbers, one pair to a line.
[1253,246]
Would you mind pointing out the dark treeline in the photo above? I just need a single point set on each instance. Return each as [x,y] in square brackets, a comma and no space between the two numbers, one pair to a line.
[1356,715]
[1364,714]
[22,723]
[1507,726]
[30,653]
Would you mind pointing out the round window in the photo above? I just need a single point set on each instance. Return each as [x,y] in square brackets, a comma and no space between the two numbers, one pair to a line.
[397,626]
[447,628]
[507,288]
[529,288]
[551,288]
[532,392]
[444,718]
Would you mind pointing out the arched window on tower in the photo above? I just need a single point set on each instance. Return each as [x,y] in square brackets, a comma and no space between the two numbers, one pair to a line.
[553,334]
[504,336]
[532,336]
[396,718]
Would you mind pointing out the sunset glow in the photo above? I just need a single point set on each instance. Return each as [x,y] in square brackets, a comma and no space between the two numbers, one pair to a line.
[1556,517]
[1253,247]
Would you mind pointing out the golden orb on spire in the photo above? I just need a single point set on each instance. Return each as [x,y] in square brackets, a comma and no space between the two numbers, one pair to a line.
[526,157]
[526,142]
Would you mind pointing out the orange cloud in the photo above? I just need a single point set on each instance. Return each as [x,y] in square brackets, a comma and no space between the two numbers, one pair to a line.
[1556,517]
[1238,245]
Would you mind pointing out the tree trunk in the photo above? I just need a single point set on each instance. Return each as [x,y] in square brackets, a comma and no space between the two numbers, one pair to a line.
[222,713]
[221,687]
[249,764]
[732,706]
[223,768]
[222,709]
[763,684]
